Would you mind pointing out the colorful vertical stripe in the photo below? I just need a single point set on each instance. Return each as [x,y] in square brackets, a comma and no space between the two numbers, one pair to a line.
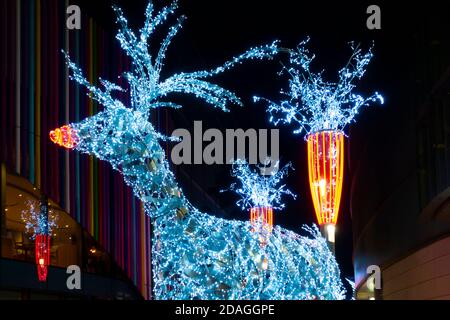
[36,97]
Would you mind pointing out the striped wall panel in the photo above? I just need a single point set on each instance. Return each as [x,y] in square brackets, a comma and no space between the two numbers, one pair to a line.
[36,97]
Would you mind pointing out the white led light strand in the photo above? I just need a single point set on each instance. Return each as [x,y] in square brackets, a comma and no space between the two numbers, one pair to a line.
[257,190]
[314,104]
[37,222]
[195,255]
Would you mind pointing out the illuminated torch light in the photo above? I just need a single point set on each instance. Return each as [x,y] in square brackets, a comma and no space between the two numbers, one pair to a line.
[261,219]
[326,169]
[42,246]
[65,136]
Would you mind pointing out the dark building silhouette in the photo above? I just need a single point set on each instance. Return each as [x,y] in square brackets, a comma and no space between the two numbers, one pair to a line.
[400,191]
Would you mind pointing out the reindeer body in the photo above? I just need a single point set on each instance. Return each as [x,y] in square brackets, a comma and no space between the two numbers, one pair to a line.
[194,255]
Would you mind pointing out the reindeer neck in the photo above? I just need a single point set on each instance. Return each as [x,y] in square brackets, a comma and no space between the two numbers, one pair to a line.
[155,185]
[129,142]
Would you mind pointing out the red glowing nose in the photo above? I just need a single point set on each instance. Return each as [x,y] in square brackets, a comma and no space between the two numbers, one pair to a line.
[65,137]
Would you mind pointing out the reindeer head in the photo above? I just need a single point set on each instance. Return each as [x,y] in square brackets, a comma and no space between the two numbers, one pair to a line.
[123,134]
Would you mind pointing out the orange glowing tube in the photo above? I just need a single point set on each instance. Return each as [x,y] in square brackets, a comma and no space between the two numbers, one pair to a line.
[65,137]
[261,219]
[326,170]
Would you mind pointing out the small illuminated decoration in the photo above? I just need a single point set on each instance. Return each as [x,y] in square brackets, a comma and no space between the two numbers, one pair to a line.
[261,219]
[261,194]
[259,190]
[194,255]
[326,169]
[39,222]
[65,137]
[322,110]
[314,104]
[38,219]
[42,249]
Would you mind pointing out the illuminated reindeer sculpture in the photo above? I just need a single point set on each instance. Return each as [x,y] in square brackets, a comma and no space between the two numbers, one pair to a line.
[195,255]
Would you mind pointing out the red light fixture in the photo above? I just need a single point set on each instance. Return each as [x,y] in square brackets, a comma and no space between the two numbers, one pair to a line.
[261,219]
[65,137]
[326,170]
[42,247]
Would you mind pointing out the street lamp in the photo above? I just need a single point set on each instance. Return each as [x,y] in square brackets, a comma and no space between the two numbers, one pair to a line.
[326,170]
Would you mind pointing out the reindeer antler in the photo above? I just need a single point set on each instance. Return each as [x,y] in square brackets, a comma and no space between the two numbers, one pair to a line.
[146,88]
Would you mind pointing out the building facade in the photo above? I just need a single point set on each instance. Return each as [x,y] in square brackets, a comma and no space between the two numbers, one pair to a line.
[401,177]
[36,97]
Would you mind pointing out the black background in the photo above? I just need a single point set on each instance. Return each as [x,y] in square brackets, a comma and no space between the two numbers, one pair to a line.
[217,30]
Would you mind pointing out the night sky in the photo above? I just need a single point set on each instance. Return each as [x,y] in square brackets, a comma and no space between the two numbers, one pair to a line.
[217,30]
